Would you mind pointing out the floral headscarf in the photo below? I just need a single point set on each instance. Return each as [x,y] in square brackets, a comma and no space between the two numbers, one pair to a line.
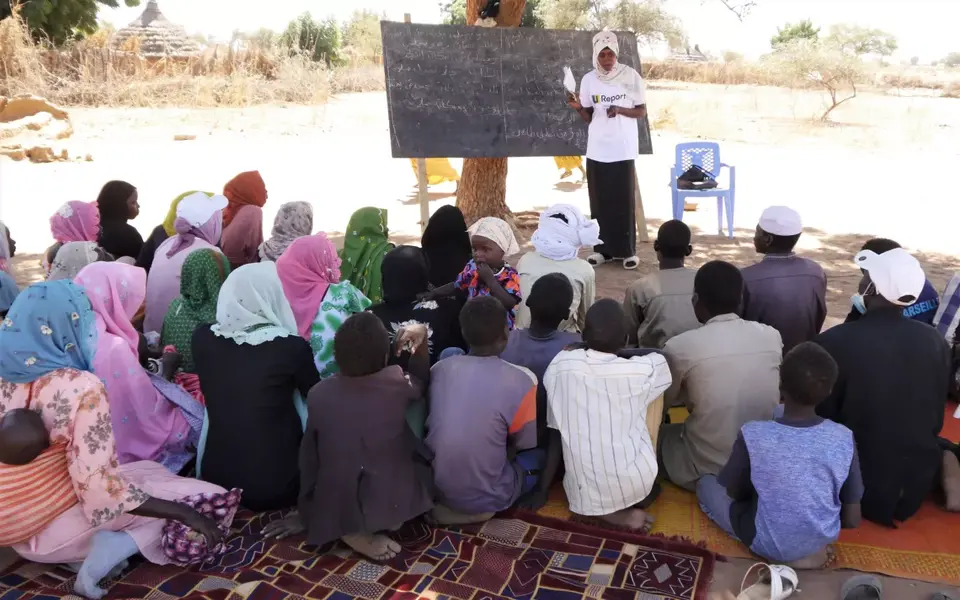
[76,221]
[50,326]
[364,247]
[294,220]
[72,257]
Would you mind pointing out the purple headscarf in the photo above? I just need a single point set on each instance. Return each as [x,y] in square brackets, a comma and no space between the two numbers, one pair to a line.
[209,232]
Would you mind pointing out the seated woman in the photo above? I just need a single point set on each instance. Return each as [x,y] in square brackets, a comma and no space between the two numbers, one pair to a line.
[362,471]
[198,225]
[8,248]
[149,424]
[405,276]
[310,273]
[118,205]
[75,221]
[203,275]
[72,257]
[160,233]
[251,363]
[243,218]
[364,247]
[562,232]
[446,244]
[294,220]
[9,290]
[82,507]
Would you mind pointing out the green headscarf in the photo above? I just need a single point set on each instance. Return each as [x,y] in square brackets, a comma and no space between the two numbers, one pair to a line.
[204,272]
[364,247]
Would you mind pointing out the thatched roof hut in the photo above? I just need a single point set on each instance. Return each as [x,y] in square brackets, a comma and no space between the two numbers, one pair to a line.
[158,37]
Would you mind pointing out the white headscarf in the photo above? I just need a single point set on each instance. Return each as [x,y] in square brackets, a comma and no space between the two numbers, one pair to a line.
[497,231]
[71,258]
[252,308]
[559,239]
[621,75]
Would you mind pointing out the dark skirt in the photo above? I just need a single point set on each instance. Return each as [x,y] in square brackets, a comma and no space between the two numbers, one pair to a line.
[612,188]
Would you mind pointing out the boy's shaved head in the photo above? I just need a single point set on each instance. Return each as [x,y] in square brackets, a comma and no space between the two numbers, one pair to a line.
[23,436]
[605,329]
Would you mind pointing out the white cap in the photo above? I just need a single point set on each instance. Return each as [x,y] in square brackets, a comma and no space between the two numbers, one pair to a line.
[197,208]
[781,220]
[896,274]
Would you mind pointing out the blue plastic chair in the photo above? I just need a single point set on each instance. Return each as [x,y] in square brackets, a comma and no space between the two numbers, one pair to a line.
[707,156]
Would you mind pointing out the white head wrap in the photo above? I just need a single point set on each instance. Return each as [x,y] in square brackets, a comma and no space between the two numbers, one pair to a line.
[621,75]
[497,231]
[560,239]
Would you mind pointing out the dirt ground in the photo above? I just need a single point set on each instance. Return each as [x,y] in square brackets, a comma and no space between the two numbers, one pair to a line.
[880,170]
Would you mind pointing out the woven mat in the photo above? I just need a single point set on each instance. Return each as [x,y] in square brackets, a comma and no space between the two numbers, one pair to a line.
[519,556]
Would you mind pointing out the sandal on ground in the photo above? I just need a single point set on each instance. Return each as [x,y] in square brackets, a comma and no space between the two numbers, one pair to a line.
[631,263]
[596,259]
[862,587]
[776,582]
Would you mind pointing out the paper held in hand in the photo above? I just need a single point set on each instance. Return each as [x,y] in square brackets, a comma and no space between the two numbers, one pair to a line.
[569,83]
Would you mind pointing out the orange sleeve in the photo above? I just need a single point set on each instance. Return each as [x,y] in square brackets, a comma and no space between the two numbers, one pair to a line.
[526,413]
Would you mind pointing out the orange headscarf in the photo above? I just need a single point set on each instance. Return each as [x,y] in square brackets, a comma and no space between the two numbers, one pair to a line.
[246,189]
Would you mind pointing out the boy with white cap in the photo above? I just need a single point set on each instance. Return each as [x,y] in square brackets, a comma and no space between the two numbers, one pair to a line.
[785,291]
[894,376]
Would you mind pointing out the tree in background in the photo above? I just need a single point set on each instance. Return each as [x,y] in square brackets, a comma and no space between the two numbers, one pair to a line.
[952,59]
[59,20]
[859,41]
[732,57]
[361,37]
[804,30]
[321,40]
[825,65]
[455,13]
[646,18]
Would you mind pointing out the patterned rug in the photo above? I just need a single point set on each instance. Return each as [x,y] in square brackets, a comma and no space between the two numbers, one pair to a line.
[520,556]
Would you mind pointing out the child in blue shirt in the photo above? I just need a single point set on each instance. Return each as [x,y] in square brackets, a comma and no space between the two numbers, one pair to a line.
[793,482]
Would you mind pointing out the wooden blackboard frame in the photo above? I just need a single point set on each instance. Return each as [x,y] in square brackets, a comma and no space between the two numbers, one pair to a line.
[455,91]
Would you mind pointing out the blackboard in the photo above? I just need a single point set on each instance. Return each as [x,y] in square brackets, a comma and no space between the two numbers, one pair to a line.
[459,91]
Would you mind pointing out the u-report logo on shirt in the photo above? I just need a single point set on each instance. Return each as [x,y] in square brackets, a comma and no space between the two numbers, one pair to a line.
[602,99]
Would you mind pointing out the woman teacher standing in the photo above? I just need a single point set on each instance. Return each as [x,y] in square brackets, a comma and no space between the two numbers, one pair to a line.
[612,98]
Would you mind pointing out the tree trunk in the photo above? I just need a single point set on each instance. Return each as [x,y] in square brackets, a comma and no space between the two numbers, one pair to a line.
[483,182]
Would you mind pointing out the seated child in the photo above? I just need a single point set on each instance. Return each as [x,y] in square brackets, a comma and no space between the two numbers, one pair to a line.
[486,274]
[23,437]
[483,415]
[793,482]
[596,409]
[659,306]
[536,347]
[362,471]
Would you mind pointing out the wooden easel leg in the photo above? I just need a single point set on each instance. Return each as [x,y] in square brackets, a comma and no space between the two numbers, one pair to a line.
[642,234]
[422,193]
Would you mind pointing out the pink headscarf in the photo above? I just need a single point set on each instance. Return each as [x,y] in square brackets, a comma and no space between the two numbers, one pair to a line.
[146,425]
[306,269]
[76,221]
[209,232]
[243,236]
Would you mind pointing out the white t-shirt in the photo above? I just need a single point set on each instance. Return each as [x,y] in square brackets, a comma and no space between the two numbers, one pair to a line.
[598,402]
[616,139]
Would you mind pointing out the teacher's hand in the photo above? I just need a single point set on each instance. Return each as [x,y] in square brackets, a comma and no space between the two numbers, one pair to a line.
[613,111]
[574,103]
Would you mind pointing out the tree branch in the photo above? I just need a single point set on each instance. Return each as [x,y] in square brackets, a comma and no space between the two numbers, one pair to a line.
[740,8]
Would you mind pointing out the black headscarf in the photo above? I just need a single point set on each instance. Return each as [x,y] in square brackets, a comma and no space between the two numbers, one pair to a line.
[446,244]
[405,274]
[116,236]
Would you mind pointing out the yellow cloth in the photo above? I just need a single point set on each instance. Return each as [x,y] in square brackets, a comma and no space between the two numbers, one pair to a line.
[168,222]
[439,170]
[568,163]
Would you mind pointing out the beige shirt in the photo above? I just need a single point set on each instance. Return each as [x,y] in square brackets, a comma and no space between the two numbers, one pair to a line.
[666,300]
[533,265]
[726,373]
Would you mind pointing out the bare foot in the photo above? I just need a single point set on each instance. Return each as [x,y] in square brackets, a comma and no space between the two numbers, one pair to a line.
[441,515]
[817,560]
[951,481]
[377,547]
[630,518]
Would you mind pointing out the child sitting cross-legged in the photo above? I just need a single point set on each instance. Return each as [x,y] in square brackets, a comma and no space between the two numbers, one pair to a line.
[483,417]
[793,482]
[362,470]
[486,274]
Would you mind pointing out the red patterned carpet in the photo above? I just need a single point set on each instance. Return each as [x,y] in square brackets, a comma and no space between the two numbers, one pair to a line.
[519,556]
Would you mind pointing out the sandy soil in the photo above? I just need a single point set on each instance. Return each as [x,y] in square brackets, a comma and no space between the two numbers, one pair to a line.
[875,172]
